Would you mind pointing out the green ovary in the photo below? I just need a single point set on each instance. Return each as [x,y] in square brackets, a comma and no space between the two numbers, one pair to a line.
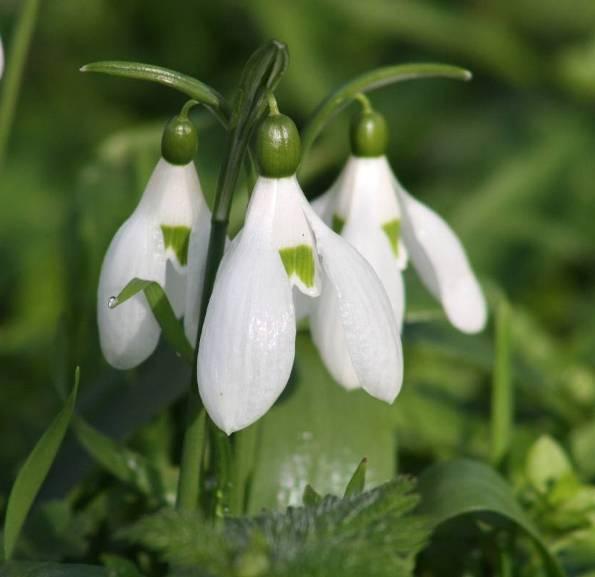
[392,229]
[177,238]
[299,261]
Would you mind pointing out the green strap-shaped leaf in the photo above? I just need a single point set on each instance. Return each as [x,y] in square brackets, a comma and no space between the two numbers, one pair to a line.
[358,481]
[163,311]
[34,472]
[125,464]
[372,80]
[462,487]
[183,83]
[29,569]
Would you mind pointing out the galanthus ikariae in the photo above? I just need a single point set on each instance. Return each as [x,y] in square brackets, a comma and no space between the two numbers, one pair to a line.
[164,240]
[368,206]
[247,345]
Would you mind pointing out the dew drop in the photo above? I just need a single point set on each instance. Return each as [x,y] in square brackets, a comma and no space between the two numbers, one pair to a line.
[112,302]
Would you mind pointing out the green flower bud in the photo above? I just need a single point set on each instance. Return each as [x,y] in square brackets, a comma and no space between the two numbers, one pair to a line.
[277,146]
[369,134]
[179,141]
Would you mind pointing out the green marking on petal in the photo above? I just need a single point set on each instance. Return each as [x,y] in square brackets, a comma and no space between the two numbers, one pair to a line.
[177,238]
[338,223]
[392,229]
[299,261]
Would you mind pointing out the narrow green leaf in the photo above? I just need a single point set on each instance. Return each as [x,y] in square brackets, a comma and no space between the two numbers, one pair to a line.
[34,471]
[463,487]
[358,481]
[125,464]
[311,498]
[32,569]
[163,311]
[502,388]
[366,82]
[183,83]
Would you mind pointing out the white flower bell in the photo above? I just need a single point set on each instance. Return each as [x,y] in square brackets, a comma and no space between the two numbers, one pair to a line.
[371,210]
[164,240]
[247,345]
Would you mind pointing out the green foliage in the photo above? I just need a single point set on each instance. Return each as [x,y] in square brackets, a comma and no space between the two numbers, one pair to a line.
[449,490]
[163,311]
[34,471]
[50,570]
[373,533]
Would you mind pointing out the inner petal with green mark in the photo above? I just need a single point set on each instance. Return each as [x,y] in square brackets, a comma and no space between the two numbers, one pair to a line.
[177,238]
[299,262]
[392,229]
[338,223]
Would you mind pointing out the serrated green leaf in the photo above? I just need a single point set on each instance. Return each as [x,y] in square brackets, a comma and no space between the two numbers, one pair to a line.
[120,566]
[183,83]
[34,471]
[30,569]
[366,82]
[358,481]
[127,465]
[311,498]
[461,487]
[163,311]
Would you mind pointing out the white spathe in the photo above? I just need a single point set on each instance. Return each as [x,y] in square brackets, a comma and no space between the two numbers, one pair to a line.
[365,197]
[247,344]
[173,198]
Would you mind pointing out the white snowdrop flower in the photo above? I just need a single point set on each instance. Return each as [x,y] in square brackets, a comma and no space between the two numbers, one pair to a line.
[247,345]
[164,240]
[371,210]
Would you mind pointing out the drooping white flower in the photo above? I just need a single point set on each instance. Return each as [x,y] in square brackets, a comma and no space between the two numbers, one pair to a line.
[163,240]
[247,344]
[382,221]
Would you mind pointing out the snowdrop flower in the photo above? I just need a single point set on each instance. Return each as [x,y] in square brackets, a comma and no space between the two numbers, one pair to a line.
[164,240]
[371,210]
[247,344]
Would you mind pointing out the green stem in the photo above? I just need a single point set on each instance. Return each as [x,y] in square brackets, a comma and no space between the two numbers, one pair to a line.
[366,82]
[261,75]
[17,56]
[502,390]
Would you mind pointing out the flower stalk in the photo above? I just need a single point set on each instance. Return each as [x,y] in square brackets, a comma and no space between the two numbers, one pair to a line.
[261,75]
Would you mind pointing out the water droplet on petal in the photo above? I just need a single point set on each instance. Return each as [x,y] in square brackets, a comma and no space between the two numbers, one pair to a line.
[112,302]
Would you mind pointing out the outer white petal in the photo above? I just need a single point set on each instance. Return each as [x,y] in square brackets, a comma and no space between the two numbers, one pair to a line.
[442,264]
[129,333]
[247,345]
[371,243]
[369,329]
[322,205]
[197,260]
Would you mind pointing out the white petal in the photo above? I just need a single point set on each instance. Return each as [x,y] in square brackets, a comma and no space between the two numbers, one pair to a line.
[321,204]
[291,233]
[129,333]
[247,345]
[371,243]
[197,260]
[442,264]
[370,332]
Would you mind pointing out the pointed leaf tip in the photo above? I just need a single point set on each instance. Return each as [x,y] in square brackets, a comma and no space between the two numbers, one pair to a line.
[358,480]
[34,471]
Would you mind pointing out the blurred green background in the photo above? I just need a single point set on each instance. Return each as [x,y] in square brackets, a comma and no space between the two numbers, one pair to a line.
[507,159]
